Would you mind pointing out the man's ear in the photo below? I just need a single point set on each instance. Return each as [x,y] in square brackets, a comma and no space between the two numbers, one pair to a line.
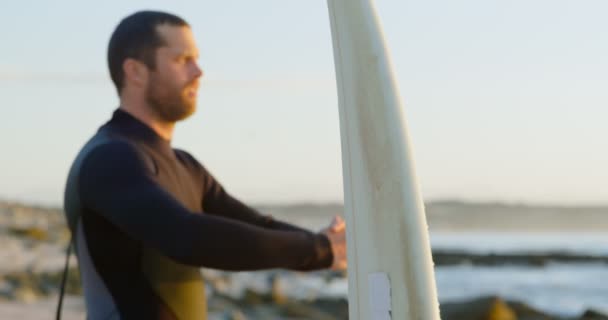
[136,73]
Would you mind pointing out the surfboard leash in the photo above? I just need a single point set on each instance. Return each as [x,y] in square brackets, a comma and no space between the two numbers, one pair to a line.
[66,270]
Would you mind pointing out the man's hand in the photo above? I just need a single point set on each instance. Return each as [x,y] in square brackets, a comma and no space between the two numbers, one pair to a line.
[336,232]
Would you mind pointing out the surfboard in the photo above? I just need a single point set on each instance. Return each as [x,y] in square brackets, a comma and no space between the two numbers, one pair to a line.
[390,267]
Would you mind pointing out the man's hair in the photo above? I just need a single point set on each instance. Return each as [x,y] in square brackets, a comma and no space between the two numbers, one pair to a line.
[136,37]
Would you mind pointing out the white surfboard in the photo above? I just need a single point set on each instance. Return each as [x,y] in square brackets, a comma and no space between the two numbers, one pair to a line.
[390,267]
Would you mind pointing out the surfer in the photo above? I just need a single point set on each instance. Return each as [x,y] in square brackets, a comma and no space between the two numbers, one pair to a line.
[144,216]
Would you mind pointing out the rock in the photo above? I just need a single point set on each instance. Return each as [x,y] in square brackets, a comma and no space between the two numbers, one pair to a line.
[263,312]
[51,281]
[6,290]
[525,312]
[32,233]
[25,294]
[278,297]
[593,315]
[487,308]
[336,307]
[306,311]
[252,297]
[526,258]
[216,303]
[27,285]
[218,283]
[237,315]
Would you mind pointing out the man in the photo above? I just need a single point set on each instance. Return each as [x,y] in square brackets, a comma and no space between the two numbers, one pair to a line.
[145,217]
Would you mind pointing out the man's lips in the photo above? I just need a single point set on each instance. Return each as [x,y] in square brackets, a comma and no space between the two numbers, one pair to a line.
[192,90]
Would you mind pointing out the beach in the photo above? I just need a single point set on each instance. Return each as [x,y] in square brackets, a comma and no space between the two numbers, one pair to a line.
[540,263]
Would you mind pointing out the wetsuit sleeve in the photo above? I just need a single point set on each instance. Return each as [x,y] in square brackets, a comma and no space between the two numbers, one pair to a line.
[115,183]
[217,201]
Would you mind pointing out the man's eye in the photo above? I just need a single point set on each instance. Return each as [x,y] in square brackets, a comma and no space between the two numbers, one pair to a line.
[184,60]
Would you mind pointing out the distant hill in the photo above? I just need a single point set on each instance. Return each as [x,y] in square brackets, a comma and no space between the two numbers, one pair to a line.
[452,215]
[456,215]
[448,215]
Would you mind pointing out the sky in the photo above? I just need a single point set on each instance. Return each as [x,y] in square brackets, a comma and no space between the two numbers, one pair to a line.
[506,100]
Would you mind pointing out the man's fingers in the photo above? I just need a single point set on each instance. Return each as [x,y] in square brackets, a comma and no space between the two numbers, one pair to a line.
[338,224]
[337,238]
[339,220]
[337,227]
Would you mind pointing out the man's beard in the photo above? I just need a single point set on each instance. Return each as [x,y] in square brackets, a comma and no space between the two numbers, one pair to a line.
[170,105]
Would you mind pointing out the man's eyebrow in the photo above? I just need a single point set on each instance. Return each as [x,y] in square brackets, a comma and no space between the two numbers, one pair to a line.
[188,54]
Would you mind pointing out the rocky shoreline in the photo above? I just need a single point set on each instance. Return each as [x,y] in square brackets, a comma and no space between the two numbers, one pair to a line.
[443,258]
[34,241]
[270,301]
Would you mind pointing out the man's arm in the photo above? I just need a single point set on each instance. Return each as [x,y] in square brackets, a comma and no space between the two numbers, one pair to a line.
[217,201]
[115,183]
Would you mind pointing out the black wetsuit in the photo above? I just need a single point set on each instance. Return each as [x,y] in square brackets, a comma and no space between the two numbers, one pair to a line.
[146,217]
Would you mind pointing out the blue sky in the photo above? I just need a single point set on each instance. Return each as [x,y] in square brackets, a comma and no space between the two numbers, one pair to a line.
[506,100]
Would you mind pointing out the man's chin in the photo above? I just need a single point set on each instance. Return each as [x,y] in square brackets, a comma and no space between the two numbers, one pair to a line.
[176,114]
[187,112]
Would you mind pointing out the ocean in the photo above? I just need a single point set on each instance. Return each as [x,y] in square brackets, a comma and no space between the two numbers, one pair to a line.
[566,289]
[561,288]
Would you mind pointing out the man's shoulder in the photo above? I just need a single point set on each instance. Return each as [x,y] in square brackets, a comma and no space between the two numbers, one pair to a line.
[108,143]
[108,147]
[102,156]
[114,157]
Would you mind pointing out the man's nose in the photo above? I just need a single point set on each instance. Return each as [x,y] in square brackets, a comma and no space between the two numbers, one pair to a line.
[197,71]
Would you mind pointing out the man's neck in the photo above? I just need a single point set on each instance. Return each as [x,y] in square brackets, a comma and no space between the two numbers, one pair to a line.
[162,128]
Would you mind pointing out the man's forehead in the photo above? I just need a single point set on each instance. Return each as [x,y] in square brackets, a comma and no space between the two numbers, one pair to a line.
[178,39]
[191,51]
